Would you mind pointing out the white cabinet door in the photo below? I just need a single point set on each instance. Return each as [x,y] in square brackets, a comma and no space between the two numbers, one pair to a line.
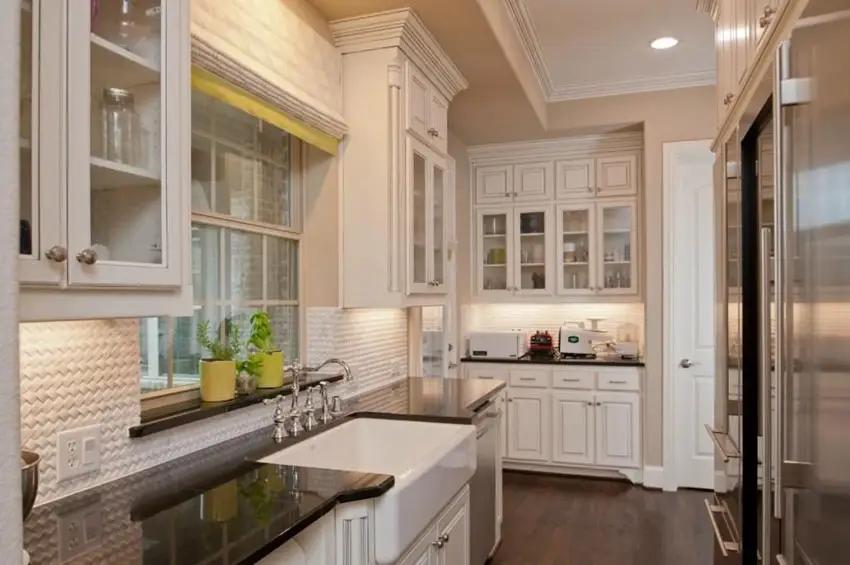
[494,276]
[453,534]
[532,250]
[617,429]
[418,102]
[42,246]
[572,427]
[533,181]
[616,176]
[575,178]
[528,424]
[427,182]
[494,184]
[500,404]
[575,248]
[423,551]
[127,152]
[616,250]
[439,133]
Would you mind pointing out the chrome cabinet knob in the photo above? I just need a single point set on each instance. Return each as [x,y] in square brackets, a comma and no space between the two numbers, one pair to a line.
[87,256]
[439,543]
[686,363]
[728,98]
[767,18]
[57,254]
[433,132]
[445,538]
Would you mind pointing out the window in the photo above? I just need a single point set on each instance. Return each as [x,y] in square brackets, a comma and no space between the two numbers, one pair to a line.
[246,226]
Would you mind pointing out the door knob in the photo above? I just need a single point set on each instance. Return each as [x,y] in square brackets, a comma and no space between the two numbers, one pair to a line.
[685,363]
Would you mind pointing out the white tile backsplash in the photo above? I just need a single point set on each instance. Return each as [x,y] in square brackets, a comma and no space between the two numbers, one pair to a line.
[80,373]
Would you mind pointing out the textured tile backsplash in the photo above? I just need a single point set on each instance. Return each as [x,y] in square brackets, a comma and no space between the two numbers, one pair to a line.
[621,320]
[81,373]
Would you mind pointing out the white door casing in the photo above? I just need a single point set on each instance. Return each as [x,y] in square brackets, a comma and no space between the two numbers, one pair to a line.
[689,332]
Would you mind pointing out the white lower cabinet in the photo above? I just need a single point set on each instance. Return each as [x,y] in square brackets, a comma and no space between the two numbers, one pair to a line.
[617,429]
[567,417]
[572,423]
[315,546]
[446,541]
[528,424]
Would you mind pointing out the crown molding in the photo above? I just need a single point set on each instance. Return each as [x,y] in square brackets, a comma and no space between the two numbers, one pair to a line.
[560,148]
[710,7]
[649,84]
[524,26]
[401,29]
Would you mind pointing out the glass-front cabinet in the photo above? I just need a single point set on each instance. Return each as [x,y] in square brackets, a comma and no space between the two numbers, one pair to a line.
[531,244]
[617,244]
[576,253]
[495,232]
[112,214]
[427,176]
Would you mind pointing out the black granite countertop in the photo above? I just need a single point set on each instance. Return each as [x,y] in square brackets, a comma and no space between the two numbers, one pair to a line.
[603,361]
[220,505]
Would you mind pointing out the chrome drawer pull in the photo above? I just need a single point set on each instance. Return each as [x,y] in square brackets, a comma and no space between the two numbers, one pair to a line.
[725,546]
[563,380]
[713,434]
[527,379]
[617,382]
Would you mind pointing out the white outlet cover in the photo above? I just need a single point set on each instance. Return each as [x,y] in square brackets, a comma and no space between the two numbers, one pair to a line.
[78,452]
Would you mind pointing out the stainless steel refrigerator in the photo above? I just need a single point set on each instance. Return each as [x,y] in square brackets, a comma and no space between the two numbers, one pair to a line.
[784,182]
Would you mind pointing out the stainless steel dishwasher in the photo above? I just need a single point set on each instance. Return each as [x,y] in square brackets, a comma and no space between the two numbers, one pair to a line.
[483,485]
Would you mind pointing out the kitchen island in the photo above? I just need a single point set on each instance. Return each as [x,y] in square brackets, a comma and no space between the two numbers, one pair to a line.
[221,505]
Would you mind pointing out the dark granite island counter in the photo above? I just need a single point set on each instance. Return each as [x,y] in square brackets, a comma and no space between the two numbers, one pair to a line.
[219,505]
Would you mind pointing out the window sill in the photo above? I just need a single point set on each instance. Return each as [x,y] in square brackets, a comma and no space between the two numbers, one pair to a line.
[167,417]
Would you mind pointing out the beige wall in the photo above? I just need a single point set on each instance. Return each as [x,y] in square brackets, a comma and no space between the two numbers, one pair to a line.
[673,115]
[320,246]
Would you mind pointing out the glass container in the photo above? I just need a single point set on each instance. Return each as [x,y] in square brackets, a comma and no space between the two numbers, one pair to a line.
[121,128]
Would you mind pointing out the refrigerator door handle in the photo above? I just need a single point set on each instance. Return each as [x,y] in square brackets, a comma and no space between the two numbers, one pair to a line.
[765,369]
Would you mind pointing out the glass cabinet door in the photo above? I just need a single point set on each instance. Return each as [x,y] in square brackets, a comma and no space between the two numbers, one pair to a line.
[494,230]
[617,272]
[418,262]
[41,243]
[439,182]
[575,233]
[125,135]
[532,250]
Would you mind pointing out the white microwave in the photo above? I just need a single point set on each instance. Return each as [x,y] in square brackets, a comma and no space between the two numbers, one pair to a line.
[498,345]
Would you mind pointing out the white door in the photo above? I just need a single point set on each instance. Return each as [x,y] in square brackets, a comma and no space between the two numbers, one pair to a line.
[528,424]
[617,430]
[454,535]
[689,299]
[418,101]
[533,181]
[572,427]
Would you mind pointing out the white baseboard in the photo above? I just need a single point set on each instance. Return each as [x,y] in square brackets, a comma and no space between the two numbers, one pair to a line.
[633,475]
[722,482]
[653,477]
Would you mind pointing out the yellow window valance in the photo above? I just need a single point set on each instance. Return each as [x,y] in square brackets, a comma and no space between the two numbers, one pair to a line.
[213,86]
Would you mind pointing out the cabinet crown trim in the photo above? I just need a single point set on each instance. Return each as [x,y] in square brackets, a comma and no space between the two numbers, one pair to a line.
[404,30]
[710,7]
[566,147]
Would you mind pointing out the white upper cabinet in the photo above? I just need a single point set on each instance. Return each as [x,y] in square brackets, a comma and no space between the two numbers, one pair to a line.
[494,185]
[397,204]
[428,179]
[616,176]
[531,247]
[117,215]
[533,181]
[427,109]
[576,248]
[615,250]
[575,178]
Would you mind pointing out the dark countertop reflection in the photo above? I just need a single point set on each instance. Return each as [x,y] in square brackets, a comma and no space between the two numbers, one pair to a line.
[605,361]
[221,506]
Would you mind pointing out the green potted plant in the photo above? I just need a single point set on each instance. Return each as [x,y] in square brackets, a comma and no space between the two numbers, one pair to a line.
[270,374]
[218,372]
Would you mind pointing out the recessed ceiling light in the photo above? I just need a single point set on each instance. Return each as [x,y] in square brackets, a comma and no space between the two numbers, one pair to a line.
[664,43]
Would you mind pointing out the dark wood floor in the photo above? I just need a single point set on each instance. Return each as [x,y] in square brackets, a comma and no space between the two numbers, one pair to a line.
[569,521]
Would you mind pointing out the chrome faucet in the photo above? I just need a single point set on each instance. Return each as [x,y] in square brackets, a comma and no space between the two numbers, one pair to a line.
[309,419]
[279,418]
[349,376]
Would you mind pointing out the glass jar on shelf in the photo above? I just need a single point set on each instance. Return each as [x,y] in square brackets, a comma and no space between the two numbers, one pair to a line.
[121,130]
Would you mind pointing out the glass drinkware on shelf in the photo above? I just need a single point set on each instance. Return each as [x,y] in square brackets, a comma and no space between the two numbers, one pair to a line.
[121,128]
[129,31]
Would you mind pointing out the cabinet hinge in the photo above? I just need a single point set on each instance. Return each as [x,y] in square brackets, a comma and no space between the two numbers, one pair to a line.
[796,91]
[732,170]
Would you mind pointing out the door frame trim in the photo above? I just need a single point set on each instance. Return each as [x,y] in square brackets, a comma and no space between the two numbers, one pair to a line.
[669,456]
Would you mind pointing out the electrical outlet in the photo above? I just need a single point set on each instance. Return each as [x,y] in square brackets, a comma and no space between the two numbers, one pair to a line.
[80,530]
[78,452]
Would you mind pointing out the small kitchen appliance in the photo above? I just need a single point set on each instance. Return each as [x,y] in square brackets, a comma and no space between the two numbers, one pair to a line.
[574,340]
[498,345]
[541,346]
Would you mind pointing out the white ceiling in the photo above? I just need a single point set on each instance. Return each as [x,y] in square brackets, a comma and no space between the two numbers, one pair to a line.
[583,49]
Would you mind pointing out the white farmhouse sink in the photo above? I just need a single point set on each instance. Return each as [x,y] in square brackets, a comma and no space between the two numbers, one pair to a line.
[430,463]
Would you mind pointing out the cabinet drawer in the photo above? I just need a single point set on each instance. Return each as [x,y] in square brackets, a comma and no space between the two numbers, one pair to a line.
[530,378]
[618,380]
[487,372]
[572,379]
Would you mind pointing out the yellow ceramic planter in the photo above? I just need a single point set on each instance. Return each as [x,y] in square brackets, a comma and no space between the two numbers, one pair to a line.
[271,373]
[218,380]
[221,504]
